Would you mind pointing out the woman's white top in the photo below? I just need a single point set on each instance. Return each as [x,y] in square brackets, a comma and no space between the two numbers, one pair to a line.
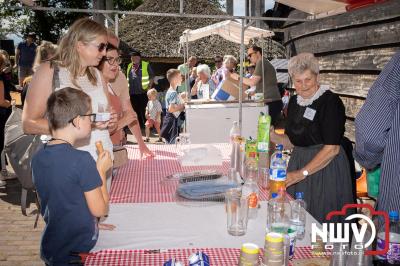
[98,96]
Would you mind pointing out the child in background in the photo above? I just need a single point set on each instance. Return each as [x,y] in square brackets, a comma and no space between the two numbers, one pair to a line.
[175,106]
[153,114]
[71,186]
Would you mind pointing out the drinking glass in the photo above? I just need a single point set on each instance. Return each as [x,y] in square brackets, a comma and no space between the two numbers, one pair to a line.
[237,211]
[182,143]
[103,112]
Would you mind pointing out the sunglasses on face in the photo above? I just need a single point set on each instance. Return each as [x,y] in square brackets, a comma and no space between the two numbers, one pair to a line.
[250,54]
[113,60]
[218,61]
[100,47]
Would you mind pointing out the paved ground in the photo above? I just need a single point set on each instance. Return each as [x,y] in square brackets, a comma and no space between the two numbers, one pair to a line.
[19,241]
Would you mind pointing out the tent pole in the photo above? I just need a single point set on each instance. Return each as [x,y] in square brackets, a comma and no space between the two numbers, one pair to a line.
[187,75]
[116,24]
[241,75]
[262,64]
[188,90]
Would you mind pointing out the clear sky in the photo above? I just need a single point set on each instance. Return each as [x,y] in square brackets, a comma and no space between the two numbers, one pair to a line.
[239,6]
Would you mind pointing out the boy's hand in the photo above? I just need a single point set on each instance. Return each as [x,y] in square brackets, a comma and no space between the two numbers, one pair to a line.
[104,162]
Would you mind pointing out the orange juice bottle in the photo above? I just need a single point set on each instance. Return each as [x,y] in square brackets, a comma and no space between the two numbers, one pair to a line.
[277,172]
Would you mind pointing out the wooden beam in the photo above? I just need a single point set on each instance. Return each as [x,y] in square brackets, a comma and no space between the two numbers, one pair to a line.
[351,84]
[366,60]
[352,38]
[371,14]
[350,130]
[352,105]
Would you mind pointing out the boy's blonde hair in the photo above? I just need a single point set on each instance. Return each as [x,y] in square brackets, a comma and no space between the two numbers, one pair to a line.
[172,73]
[84,30]
[151,92]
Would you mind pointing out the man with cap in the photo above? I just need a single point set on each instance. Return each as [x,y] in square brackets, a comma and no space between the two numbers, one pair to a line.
[141,78]
[24,57]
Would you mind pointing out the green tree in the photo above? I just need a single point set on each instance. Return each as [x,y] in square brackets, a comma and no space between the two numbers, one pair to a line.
[127,5]
[12,20]
[51,25]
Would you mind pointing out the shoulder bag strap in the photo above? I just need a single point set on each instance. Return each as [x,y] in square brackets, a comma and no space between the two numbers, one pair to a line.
[56,76]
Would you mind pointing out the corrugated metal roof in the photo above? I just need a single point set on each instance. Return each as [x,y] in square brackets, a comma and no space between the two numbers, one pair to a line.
[280,63]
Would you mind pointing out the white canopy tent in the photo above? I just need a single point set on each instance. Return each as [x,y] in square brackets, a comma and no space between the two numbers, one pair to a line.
[315,7]
[229,29]
[325,8]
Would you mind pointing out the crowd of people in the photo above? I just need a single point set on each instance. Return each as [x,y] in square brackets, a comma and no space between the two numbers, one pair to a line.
[65,85]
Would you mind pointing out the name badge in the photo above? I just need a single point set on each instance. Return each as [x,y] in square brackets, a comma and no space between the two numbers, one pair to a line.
[309,114]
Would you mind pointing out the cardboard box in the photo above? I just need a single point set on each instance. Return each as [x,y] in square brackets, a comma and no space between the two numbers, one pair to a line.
[228,90]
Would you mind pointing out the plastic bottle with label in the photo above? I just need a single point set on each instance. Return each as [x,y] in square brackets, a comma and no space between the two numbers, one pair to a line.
[264,124]
[250,189]
[298,219]
[392,257]
[277,172]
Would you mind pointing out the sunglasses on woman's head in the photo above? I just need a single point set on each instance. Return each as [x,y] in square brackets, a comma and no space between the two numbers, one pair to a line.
[101,47]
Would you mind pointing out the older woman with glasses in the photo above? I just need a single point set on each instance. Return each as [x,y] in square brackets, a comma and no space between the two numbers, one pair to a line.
[204,87]
[314,130]
[109,67]
[110,70]
[80,50]
[119,84]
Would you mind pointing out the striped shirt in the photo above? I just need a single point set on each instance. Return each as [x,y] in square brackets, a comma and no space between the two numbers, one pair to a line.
[378,134]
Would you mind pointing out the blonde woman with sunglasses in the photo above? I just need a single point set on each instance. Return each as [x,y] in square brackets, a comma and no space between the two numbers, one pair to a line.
[80,50]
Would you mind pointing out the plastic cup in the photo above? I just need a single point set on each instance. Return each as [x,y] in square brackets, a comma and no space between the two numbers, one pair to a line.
[182,143]
[263,176]
[103,113]
[237,212]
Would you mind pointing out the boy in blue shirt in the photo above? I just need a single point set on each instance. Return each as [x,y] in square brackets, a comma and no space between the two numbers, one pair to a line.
[71,186]
[174,105]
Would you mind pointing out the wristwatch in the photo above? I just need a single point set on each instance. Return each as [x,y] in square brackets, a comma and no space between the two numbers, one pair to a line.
[305,173]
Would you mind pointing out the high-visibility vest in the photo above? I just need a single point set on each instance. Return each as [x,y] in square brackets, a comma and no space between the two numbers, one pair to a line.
[145,74]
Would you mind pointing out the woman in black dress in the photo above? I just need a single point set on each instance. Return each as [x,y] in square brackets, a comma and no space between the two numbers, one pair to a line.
[314,130]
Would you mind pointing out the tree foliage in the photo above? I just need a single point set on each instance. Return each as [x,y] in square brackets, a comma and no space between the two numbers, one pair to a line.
[51,25]
[12,20]
[127,5]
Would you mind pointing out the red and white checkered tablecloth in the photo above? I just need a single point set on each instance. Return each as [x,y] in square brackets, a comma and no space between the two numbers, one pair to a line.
[218,256]
[141,181]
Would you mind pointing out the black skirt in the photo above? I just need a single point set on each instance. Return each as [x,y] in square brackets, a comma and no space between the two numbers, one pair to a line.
[327,190]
